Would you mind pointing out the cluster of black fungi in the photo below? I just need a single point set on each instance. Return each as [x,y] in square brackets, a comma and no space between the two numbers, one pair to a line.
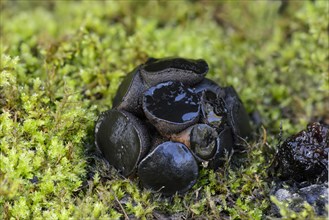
[167,120]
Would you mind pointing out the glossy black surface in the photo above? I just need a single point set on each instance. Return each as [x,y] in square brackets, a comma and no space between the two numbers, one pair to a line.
[238,118]
[197,66]
[167,120]
[130,92]
[168,169]
[213,108]
[203,141]
[171,106]
[122,139]
[171,101]
[187,71]
[224,148]
[304,156]
[210,86]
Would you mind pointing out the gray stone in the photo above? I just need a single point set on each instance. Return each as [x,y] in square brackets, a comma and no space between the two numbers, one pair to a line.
[316,195]
[282,195]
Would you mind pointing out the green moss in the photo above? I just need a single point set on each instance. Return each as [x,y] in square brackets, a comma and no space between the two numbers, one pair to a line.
[62,62]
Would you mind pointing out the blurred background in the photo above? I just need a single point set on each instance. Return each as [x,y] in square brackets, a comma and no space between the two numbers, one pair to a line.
[273,52]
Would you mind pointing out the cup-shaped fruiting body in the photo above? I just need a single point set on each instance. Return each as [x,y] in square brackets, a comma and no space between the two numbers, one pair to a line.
[168,169]
[224,149]
[213,109]
[238,118]
[130,93]
[304,156]
[201,139]
[187,71]
[210,86]
[171,107]
[122,138]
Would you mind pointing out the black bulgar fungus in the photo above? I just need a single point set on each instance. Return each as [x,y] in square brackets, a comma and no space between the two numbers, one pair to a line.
[238,117]
[130,93]
[200,139]
[122,138]
[210,86]
[304,156]
[187,71]
[203,141]
[178,106]
[213,109]
[168,169]
[224,148]
[171,107]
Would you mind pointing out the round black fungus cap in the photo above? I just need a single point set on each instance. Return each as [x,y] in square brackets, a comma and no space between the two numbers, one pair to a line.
[168,169]
[203,141]
[122,138]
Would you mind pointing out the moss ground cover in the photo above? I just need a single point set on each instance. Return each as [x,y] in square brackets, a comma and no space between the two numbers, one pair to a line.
[61,63]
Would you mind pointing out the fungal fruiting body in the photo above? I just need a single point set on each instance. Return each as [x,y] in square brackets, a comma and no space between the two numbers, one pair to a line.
[167,119]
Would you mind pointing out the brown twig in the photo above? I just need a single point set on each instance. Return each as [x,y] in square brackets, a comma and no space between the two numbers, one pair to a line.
[121,207]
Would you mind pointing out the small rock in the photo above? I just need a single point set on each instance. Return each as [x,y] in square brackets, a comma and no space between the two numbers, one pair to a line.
[316,195]
[283,194]
[304,156]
